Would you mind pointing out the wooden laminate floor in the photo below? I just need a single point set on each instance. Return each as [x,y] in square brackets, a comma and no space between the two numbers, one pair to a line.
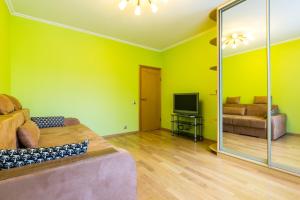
[177,168]
[285,150]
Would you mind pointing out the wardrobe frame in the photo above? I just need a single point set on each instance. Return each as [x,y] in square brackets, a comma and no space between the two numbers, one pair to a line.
[263,162]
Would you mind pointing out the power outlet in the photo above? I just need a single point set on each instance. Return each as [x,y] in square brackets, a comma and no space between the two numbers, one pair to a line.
[125,127]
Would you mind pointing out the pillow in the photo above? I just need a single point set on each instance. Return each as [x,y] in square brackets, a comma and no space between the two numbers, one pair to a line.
[233,100]
[48,122]
[16,102]
[260,100]
[274,111]
[6,106]
[28,134]
[234,110]
[21,157]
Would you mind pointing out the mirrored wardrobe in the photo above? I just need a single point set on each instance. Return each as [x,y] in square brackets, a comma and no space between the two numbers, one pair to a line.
[259,49]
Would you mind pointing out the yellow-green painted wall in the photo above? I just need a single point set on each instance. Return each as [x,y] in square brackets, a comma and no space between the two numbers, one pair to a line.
[56,71]
[245,75]
[286,82]
[4,49]
[186,69]
[285,78]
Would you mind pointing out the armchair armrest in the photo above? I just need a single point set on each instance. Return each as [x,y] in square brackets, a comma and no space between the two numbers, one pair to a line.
[278,126]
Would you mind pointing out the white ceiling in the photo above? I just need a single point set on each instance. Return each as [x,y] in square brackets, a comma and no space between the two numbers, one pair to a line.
[175,21]
[250,17]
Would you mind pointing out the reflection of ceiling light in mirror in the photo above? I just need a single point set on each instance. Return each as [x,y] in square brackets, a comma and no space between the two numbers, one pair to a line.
[235,39]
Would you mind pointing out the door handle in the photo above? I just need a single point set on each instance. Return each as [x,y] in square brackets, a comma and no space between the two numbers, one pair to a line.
[143,99]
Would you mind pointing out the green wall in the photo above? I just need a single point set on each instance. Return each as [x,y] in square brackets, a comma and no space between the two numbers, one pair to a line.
[245,76]
[286,81]
[56,71]
[4,49]
[186,69]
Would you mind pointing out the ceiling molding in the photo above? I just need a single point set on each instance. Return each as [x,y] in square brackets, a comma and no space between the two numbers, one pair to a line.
[83,31]
[17,14]
[262,47]
[188,39]
[10,6]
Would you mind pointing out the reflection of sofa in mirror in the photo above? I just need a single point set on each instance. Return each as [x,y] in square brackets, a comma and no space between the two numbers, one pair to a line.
[251,120]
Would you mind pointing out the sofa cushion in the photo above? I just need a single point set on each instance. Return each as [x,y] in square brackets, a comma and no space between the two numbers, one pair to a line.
[235,105]
[228,128]
[234,110]
[256,132]
[29,134]
[250,121]
[228,119]
[6,106]
[8,128]
[26,114]
[233,100]
[72,134]
[257,110]
[260,100]
[15,101]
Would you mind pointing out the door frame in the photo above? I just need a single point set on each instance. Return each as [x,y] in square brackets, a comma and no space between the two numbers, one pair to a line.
[140,92]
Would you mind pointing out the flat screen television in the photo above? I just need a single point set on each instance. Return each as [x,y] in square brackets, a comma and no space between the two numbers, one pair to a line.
[186,104]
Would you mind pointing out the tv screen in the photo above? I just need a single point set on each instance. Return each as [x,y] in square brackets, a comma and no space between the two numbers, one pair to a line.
[186,103]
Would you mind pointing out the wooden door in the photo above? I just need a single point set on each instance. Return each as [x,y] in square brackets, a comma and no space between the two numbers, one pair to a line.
[150,102]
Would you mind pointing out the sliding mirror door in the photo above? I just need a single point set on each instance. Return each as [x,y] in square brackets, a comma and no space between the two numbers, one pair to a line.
[243,75]
[285,79]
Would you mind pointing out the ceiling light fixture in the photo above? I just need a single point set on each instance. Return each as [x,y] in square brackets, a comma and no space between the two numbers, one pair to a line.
[235,39]
[138,9]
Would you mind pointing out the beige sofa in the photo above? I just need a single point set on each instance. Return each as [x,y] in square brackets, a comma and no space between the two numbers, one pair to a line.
[251,120]
[104,172]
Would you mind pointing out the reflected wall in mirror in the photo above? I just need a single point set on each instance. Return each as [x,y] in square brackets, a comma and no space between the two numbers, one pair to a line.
[244,79]
[285,71]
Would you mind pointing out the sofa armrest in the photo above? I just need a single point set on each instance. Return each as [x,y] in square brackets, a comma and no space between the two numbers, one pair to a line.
[109,175]
[278,126]
[71,121]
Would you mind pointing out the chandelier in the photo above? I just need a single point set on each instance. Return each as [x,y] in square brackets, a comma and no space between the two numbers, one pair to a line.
[138,9]
[235,39]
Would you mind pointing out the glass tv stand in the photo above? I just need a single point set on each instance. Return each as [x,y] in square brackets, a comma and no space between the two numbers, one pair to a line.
[187,125]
